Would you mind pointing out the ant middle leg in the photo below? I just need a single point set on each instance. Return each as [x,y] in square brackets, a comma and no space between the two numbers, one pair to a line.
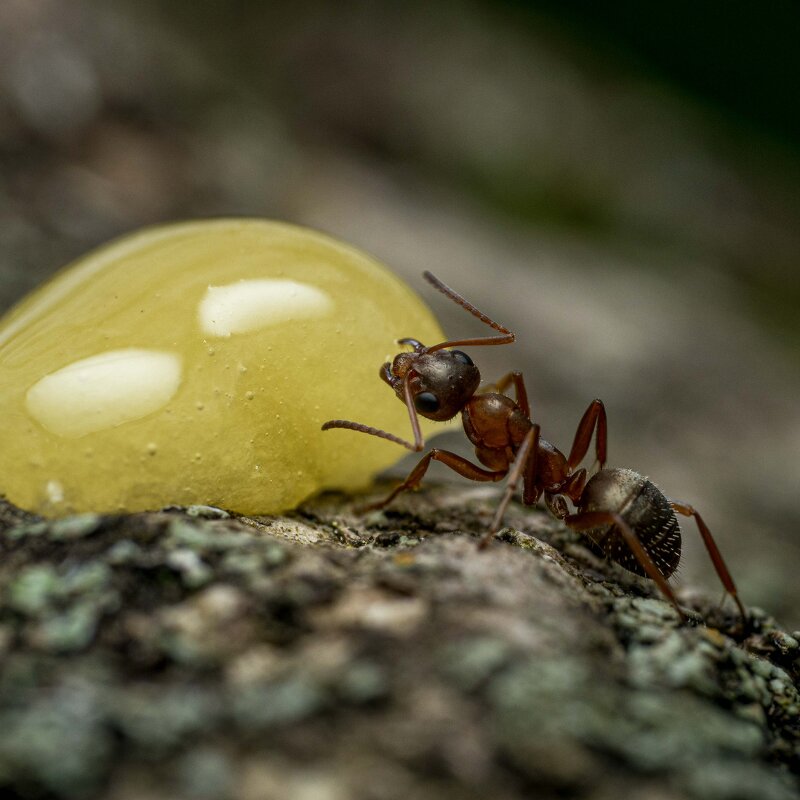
[458,464]
[521,392]
[594,417]
[588,520]
[714,553]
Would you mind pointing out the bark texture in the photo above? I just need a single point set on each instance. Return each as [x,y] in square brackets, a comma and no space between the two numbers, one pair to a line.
[190,654]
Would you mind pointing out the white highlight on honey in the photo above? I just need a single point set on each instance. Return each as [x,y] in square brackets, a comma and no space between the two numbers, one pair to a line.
[250,305]
[104,390]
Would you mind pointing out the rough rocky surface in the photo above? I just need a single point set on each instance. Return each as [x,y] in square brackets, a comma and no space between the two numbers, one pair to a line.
[190,654]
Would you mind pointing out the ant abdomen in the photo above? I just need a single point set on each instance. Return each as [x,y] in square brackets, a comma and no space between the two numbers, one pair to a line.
[646,510]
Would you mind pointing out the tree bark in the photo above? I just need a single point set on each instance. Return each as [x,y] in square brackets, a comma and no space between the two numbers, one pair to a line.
[187,653]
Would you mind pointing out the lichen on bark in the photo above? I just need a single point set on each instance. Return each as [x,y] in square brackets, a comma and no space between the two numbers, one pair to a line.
[188,653]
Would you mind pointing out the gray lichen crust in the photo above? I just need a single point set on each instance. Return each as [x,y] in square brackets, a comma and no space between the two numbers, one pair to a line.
[191,654]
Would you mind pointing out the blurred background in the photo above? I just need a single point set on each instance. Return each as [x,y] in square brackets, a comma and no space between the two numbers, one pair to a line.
[620,187]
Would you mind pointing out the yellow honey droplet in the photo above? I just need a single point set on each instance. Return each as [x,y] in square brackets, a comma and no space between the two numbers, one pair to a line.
[112,357]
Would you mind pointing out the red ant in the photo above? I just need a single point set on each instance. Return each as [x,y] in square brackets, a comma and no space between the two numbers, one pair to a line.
[622,512]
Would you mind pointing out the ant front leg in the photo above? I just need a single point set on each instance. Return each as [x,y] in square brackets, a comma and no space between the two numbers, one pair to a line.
[589,520]
[594,417]
[714,553]
[524,465]
[458,464]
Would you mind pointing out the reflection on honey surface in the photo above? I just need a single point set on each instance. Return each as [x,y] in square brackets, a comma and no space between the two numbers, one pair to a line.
[103,391]
[249,305]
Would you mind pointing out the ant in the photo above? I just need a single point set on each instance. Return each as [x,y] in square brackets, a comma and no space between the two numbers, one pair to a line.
[622,512]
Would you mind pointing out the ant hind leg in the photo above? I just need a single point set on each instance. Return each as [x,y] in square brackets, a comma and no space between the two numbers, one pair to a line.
[714,553]
[588,520]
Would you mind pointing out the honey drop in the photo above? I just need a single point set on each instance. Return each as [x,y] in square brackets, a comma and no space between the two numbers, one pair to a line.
[196,363]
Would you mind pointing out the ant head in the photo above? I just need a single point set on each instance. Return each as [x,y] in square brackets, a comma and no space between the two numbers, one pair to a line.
[440,381]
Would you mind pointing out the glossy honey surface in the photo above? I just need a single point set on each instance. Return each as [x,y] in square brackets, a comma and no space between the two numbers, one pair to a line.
[195,363]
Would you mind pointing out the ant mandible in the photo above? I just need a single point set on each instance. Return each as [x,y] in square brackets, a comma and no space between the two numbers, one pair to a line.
[622,512]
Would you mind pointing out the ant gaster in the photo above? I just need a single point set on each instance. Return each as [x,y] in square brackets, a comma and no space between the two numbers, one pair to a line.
[622,512]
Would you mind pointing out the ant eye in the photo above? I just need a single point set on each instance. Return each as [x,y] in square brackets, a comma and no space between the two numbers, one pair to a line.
[426,403]
[461,357]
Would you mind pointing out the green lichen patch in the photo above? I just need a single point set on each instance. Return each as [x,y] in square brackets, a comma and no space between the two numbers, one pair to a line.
[176,655]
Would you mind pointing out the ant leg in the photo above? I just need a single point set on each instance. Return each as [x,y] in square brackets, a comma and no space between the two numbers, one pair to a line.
[574,485]
[525,461]
[588,520]
[458,464]
[530,491]
[595,415]
[412,413]
[519,390]
[556,505]
[713,552]
[506,338]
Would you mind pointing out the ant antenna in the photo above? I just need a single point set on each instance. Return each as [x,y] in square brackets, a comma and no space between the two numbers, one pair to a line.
[357,426]
[381,434]
[507,338]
